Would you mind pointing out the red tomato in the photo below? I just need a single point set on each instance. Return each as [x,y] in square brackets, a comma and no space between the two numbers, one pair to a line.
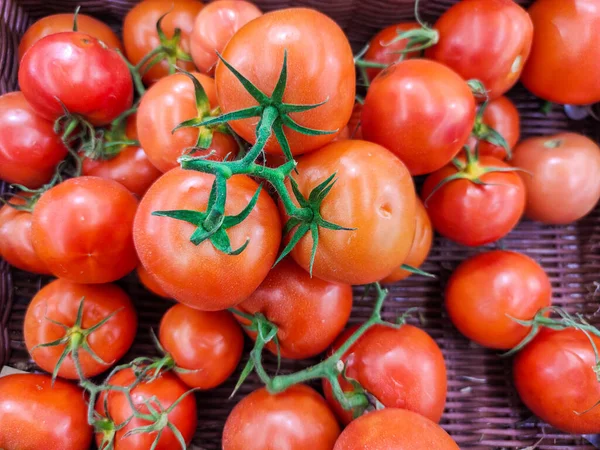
[59,301]
[402,368]
[29,148]
[150,282]
[486,292]
[473,214]
[394,429]
[36,415]
[308,312]
[555,378]
[407,111]
[297,419]
[214,26]
[563,183]
[179,266]
[564,65]
[354,125]
[209,343]
[81,230]
[315,45]
[78,71]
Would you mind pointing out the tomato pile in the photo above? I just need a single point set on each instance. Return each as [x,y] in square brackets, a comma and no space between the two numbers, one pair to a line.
[225,155]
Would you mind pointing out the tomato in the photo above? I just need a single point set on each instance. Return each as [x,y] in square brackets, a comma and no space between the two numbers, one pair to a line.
[81,230]
[564,65]
[563,183]
[394,429]
[320,68]
[59,301]
[555,378]
[374,194]
[474,214]
[150,282]
[140,35]
[35,415]
[308,312]
[407,111]
[488,291]
[179,266]
[57,23]
[214,26]
[209,343]
[29,148]
[402,368]
[296,419]
[168,103]
[354,125]
[88,78]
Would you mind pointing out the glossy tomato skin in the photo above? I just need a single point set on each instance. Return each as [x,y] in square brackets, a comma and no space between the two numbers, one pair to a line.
[554,377]
[402,368]
[473,214]
[374,193]
[308,312]
[29,148]
[488,290]
[60,301]
[501,115]
[210,343]
[165,250]
[150,282]
[315,45]
[213,28]
[406,111]
[78,71]
[394,429]
[81,230]
[563,184]
[35,415]
[296,419]
[564,65]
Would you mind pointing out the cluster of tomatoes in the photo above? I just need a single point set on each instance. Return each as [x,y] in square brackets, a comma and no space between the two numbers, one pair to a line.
[225,155]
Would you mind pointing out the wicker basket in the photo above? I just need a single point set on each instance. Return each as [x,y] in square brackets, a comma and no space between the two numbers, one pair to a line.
[483,410]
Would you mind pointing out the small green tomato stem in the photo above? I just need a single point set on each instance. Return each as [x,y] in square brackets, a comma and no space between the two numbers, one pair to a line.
[370,64]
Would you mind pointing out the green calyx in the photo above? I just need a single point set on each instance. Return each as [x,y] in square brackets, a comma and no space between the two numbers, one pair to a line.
[109,142]
[483,132]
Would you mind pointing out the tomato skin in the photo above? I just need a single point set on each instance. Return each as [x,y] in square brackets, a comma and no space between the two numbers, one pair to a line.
[60,301]
[81,230]
[209,342]
[77,69]
[183,266]
[257,418]
[406,111]
[34,415]
[354,125]
[564,184]
[315,45]
[564,65]
[487,290]
[554,377]
[149,282]
[29,148]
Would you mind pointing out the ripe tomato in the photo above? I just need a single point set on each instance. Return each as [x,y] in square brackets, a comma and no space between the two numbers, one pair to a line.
[406,111]
[179,266]
[59,301]
[209,343]
[168,103]
[81,230]
[394,429]
[402,368]
[473,214]
[564,65]
[87,77]
[307,421]
[315,45]
[29,148]
[563,184]
[57,23]
[486,292]
[35,415]
[308,312]
[150,282]
[213,28]
[374,194]
[354,125]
